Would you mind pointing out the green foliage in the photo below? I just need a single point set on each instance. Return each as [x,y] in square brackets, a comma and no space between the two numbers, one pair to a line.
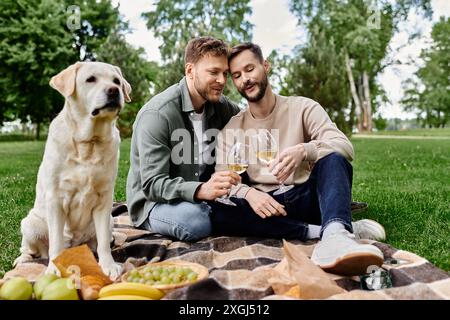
[360,28]
[430,96]
[139,72]
[98,19]
[380,123]
[37,44]
[317,72]
[177,21]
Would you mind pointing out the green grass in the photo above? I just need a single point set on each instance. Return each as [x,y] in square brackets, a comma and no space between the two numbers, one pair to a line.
[14,137]
[405,182]
[407,186]
[433,132]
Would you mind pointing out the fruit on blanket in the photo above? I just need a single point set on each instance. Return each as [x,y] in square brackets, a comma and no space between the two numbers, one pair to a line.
[41,283]
[17,288]
[134,289]
[60,289]
[125,297]
[157,275]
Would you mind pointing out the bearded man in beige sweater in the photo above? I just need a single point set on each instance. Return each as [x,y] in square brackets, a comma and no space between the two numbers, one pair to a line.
[313,156]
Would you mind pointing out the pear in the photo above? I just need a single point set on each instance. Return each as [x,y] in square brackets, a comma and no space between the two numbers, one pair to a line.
[42,282]
[60,289]
[17,288]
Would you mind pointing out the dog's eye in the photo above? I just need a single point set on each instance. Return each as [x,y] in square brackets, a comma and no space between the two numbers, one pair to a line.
[90,79]
[116,81]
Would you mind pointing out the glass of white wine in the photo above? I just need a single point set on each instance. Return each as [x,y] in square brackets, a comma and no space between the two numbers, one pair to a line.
[237,161]
[266,150]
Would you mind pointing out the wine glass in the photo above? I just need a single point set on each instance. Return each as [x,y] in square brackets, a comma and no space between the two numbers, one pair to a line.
[266,150]
[237,161]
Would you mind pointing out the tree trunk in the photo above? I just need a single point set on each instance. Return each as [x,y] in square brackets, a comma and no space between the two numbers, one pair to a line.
[360,90]
[351,122]
[367,103]
[38,130]
[356,100]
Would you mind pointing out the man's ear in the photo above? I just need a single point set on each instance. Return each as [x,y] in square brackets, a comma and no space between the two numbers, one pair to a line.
[64,81]
[267,66]
[126,87]
[189,70]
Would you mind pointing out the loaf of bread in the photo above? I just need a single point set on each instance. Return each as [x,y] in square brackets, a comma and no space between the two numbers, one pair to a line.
[80,264]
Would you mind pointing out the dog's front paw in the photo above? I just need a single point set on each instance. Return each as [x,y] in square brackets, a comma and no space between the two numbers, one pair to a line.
[52,269]
[22,259]
[112,270]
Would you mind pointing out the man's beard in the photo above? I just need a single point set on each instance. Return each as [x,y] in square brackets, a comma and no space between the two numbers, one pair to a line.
[203,92]
[262,85]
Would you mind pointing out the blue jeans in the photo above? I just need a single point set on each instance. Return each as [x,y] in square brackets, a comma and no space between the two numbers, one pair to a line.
[183,220]
[324,198]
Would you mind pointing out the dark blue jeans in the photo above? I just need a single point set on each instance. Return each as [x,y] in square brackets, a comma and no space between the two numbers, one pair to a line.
[324,198]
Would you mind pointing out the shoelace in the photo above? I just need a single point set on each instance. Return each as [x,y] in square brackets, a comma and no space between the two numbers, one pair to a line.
[344,233]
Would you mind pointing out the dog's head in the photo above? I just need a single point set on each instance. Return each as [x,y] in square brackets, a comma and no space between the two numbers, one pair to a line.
[98,89]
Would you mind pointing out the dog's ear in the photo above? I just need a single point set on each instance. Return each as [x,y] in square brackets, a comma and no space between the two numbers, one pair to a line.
[126,87]
[64,81]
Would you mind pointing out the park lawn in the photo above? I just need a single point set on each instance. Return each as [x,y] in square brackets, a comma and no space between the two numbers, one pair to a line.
[407,186]
[429,132]
[405,182]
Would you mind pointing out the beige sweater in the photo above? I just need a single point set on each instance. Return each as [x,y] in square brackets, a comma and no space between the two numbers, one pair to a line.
[295,120]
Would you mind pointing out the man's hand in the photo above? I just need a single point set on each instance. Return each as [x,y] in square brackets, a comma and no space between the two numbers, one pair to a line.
[218,185]
[263,204]
[287,161]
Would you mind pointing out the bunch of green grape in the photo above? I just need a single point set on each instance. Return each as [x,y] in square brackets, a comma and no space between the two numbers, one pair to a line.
[158,275]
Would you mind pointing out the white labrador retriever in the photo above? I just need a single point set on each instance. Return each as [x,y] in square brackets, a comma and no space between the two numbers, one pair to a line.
[75,183]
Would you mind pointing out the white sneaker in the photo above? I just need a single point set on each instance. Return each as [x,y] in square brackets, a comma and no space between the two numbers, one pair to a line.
[368,229]
[339,253]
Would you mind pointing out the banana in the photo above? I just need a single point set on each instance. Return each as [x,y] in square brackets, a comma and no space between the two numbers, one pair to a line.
[130,288]
[125,297]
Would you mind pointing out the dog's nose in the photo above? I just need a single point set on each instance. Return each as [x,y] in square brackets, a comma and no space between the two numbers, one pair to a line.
[113,92]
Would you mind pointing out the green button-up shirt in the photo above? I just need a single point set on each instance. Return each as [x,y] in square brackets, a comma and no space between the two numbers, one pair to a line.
[164,150]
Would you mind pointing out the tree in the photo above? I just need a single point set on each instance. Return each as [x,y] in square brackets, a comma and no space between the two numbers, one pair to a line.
[140,73]
[35,47]
[177,21]
[316,72]
[37,44]
[428,94]
[97,20]
[361,31]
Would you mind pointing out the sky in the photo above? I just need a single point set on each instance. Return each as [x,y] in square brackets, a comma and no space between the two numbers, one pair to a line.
[275,28]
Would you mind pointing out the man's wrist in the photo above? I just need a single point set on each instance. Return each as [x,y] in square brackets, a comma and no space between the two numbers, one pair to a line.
[250,190]
[302,150]
[310,151]
[198,192]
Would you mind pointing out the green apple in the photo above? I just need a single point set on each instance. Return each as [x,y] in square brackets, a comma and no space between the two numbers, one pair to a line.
[17,288]
[41,283]
[60,289]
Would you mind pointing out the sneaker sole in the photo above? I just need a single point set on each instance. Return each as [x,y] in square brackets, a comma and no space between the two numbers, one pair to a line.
[354,264]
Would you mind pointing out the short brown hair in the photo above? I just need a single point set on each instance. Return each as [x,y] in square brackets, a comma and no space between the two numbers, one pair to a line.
[199,47]
[246,46]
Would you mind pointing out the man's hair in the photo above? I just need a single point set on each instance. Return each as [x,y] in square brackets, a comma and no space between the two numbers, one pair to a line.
[199,47]
[246,46]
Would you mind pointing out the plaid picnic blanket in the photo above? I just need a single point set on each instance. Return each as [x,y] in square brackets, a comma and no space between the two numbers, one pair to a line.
[238,266]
